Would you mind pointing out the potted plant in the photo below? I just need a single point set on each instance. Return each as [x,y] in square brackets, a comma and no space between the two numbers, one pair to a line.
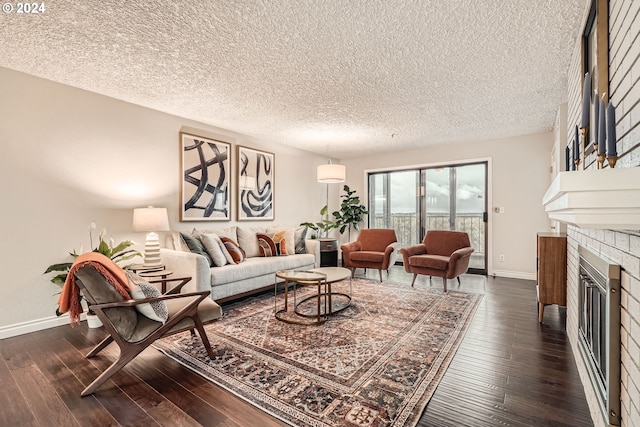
[351,212]
[323,228]
[118,253]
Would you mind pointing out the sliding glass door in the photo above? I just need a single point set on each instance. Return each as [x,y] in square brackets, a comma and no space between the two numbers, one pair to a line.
[439,198]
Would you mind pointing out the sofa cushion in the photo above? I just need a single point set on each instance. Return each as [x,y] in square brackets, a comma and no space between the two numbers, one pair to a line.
[256,267]
[272,244]
[196,247]
[214,247]
[248,241]
[229,232]
[237,253]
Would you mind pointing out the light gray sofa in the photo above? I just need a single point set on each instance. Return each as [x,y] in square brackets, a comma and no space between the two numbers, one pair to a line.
[228,281]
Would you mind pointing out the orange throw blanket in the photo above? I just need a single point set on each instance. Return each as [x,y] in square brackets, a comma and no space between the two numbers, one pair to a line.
[69,299]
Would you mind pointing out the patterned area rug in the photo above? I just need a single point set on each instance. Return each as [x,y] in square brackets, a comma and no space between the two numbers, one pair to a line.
[376,363]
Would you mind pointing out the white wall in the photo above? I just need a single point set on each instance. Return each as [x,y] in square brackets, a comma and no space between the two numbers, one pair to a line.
[70,157]
[520,176]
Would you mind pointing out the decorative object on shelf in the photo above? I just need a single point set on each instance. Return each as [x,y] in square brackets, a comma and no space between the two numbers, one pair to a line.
[601,135]
[151,220]
[205,175]
[612,154]
[584,124]
[586,101]
[256,175]
[118,253]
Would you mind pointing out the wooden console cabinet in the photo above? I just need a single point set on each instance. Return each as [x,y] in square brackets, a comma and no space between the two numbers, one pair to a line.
[551,270]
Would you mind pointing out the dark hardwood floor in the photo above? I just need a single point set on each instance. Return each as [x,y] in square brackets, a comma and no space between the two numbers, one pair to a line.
[509,371]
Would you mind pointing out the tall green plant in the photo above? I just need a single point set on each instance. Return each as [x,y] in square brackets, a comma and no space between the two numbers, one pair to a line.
[351,212]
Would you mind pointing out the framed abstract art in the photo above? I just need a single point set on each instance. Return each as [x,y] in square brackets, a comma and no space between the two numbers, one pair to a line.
[256,173]
[205,178]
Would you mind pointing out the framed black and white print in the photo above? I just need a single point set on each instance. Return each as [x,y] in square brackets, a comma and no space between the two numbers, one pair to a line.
[256,173]
[205,179]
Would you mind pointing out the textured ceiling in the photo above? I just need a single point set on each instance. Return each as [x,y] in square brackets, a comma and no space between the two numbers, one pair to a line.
[337,77]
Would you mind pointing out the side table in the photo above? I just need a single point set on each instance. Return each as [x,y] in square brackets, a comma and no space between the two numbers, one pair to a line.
[328,252]
[154,273]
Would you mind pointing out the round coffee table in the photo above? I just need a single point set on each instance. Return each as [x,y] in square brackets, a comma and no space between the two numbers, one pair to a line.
[327,302]
[298,277]
[334,301]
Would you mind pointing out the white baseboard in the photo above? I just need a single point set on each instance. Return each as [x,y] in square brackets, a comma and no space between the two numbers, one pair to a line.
[33,326]
[514,274]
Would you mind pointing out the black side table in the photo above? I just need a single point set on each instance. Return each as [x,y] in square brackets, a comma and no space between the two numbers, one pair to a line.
[328,252]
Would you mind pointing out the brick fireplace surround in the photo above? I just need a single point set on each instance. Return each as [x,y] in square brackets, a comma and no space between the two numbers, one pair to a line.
[621,245]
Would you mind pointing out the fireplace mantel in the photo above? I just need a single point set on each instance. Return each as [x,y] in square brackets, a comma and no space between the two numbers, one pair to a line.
[601,199]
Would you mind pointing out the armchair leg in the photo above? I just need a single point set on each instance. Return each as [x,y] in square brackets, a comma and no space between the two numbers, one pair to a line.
[101,346]
[203,335]
[414,279]
[444,282]
[458,280]
[126,355]
[380,272]
[353,272]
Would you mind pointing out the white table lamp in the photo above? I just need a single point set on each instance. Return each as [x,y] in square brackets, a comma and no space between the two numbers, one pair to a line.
[151,220]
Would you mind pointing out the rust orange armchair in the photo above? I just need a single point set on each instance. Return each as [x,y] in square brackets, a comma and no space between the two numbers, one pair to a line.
[442,253]
[374,248]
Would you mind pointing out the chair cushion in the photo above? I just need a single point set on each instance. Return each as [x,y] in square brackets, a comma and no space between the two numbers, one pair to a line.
[376,239]
[437,262]
[445,242]
[367,256]
[141,289]
[124,319]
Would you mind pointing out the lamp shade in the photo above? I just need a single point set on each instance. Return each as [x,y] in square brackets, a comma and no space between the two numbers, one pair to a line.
[331,173]
[150,219]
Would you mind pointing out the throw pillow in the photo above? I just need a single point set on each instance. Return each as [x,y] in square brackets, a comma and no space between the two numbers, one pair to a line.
[196,247]
[141,289]
[178,242]
[234,249]
[272,244]
[212,244]
[289,237]
[300,237]
[247,240]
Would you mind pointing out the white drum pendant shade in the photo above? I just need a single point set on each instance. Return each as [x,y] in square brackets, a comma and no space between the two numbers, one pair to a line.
[331,173]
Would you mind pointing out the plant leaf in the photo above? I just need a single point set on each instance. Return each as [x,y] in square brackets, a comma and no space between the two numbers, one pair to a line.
[65,266]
